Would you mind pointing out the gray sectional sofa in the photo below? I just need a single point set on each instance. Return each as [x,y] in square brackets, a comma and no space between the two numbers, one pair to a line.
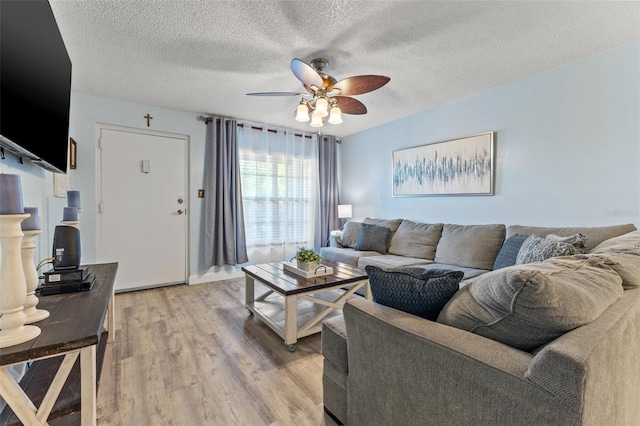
[476,365]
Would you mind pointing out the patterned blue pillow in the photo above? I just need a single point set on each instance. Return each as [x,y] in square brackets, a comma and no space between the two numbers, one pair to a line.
[509,252]
[421,292]
[373,238]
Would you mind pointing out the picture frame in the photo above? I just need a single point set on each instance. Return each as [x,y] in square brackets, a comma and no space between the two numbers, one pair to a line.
[463,166]
[73,154]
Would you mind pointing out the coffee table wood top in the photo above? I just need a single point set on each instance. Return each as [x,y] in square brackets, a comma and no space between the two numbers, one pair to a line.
[286,283]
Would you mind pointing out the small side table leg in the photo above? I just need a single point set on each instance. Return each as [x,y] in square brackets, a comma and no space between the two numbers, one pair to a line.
[88,385]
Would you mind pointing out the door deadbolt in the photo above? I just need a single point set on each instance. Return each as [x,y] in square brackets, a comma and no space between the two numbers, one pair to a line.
[180,201]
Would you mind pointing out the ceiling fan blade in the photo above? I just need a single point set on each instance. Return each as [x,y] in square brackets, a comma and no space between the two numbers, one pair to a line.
[276,94]
[350,105]
[307,75]
[360,84]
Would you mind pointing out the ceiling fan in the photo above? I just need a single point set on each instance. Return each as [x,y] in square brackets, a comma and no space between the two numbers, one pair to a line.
[325,96]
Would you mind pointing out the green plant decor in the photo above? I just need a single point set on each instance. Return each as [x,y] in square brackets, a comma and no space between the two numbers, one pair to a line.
[307,258]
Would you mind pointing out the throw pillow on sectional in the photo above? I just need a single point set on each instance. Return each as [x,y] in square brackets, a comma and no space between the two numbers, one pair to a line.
[509,252]
[420,292]
[350,234]
[373,238]
[537,249]
[527,306]
[578,241]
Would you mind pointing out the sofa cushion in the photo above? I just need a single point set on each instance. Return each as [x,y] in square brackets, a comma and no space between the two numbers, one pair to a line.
[392,224]
[473,246]
[595,235]
[416,240]
[626,242]
[537,249]
[333,342]
[416,291]
[509,252]
[468,272]
[526,306]
[391,261]
[373,238]
[625,264]
[345,255]
[350,234]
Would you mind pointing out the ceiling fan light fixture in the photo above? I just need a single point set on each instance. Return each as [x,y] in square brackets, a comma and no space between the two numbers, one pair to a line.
[302,112]
[322,106]
[317,120]
[335,116]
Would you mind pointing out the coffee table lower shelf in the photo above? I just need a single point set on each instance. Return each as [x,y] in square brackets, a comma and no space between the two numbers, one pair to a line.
[298,315]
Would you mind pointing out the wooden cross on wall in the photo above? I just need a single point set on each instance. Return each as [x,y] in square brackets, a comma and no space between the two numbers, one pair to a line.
[149,118]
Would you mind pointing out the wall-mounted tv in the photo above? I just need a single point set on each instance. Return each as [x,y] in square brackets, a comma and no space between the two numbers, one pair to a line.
[35,84]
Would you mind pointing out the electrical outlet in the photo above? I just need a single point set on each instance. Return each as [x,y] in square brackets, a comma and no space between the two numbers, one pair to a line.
[200,193]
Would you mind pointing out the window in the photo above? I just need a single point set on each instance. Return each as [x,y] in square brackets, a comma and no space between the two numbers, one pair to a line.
[279,176]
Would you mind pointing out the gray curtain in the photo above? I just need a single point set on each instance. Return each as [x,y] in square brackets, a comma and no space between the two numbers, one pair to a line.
[224,236]
[328,161]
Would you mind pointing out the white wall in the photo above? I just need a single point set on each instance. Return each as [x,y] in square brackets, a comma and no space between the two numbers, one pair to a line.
[567,150]
[86,111]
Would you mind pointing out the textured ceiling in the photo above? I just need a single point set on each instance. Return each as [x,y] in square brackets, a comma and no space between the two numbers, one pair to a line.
[204,56]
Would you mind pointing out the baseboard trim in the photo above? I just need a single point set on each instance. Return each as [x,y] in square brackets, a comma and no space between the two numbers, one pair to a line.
[226,273]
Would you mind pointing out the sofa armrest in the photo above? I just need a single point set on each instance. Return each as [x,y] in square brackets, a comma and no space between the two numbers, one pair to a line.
[404,369]
[334,237]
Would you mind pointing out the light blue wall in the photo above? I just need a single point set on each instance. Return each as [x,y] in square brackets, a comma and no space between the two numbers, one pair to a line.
[567,150]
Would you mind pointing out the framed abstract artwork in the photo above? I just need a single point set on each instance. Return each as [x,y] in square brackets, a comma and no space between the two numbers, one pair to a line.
[461,166]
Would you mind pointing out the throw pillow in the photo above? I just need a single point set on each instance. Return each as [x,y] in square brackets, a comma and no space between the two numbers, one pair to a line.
[527,306]
[373,238]
[537,249]
[509,252]
[578,241]
[350,234]
[626,242]
[416,291]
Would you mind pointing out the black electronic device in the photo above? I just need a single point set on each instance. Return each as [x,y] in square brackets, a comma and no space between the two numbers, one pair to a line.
[63,276]
[66,248]
[67,287]
[35,82]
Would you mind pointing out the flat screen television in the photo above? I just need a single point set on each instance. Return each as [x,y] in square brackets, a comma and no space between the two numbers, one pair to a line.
[35,84]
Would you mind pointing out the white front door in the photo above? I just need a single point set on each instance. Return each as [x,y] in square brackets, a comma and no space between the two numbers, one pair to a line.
[142,221]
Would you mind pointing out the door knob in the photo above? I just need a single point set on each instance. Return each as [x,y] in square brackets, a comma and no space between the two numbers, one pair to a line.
[179,212]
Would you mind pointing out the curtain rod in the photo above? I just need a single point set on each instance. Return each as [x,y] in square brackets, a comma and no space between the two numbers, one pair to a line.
[208,120]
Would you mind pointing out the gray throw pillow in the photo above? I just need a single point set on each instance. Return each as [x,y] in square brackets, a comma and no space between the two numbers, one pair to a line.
[373,238]
[350,234]
[578,241]
[509,252]
[526,306]
[537,249]
[420,292]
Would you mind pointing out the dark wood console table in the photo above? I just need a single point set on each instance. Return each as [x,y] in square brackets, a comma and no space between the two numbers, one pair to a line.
[78,327]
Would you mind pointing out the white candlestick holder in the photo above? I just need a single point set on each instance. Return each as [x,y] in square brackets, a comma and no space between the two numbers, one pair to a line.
[13,285]
[31,277]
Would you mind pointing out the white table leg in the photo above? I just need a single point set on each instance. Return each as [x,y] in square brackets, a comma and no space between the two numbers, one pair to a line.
[291,322]
[111,318]
[88,385]
[15,398]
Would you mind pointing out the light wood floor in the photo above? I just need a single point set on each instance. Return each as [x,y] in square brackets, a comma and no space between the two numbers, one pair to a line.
[192,355]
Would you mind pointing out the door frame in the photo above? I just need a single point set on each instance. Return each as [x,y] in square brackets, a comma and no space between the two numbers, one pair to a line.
[98,177]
